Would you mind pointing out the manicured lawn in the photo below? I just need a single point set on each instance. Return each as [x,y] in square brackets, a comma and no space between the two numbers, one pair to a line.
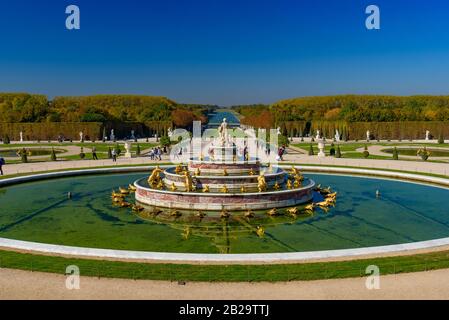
[231,273]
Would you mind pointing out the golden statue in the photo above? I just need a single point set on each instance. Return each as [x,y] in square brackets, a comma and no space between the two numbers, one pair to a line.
[292,211]
[160,185]
[297,184]
[295,171]
[225,189]
[188,183]
[173,187]
[201,156]
[289,184]
[155,177]
[225,172]
[197,172]
[179,169]
[261,183]
[251,172]
[272,212]
[206,189]
[248,214]
[276,186]
[298,177]
[243,189]
[260,231]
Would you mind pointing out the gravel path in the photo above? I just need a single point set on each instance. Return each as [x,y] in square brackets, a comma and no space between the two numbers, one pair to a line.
[16,284]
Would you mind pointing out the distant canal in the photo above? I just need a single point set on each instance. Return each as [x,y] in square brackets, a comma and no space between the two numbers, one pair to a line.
[216,118]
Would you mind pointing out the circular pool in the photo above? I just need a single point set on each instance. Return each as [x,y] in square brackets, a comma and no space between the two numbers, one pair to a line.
[41,212]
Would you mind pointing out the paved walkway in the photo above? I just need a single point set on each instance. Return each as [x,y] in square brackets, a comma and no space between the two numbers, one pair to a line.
[21,168]
[16,284]
[292,156]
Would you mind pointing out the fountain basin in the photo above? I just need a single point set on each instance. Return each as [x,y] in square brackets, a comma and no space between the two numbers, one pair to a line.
[222,201]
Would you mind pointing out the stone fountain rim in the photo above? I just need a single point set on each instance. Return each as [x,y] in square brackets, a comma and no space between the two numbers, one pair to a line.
[230,194]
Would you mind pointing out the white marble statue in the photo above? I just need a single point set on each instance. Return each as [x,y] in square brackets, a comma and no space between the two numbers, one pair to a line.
[279,130]
[133,137]
[21,136]
[337,136]
[427,135]
[169,133]
[223,132]
[318,135]
[368,135]
[128,149]
[81,136]
[112,136]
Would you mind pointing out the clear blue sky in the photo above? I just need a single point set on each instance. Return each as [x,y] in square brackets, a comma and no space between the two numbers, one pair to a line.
[224,51]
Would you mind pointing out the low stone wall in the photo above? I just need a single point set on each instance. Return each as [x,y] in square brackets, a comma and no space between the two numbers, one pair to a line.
[223,201]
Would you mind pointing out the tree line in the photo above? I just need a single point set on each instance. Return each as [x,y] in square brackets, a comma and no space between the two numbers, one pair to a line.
[31,108]
[348,108]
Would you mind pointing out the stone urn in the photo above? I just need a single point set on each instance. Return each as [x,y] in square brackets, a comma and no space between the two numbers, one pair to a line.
[321,146]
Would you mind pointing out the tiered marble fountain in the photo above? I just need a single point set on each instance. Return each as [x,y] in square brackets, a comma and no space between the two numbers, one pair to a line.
[224,181]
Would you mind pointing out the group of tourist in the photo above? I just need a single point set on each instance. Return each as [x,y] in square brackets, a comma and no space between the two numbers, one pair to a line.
[155,154]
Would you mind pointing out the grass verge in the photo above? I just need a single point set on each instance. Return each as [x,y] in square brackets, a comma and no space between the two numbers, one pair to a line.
[226,273]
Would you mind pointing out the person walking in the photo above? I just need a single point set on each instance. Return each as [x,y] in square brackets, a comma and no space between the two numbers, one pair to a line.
[94,153]
[114,155]
[2,163]
[151,154]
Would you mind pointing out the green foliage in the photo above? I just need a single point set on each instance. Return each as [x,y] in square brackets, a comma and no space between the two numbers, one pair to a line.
[164,141]
[395,154]
[365,152]
[311,152]
[338,152]
[53,154]
[138,150]
[6,140]
[82,154]
[332,150]
[109,153]
[364,108]
[441,139]
[283,140]
[23,153]
[424,154]
[117,149]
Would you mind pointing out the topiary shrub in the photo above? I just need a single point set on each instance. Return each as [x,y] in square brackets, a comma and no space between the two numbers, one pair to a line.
[117,149]
[440,139]
[338,152]
[53,155]
[311,153]
[138,150]
[366,152]
[395,154]
[82,154]
[332,150]
[109,153]
[6,140]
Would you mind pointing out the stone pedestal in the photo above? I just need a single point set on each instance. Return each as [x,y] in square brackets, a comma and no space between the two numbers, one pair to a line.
[128,150]
[321,146]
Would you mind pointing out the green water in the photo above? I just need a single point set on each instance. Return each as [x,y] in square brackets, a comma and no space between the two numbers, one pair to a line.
[412,152]
[41,212]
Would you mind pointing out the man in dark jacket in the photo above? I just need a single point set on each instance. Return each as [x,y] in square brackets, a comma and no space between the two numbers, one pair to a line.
[2,162]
